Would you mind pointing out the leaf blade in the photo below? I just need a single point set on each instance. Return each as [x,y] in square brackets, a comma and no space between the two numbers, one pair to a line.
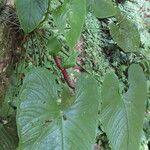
[103,8]
[122,117]
[126,35]
[30,13]
[39,124]
[70,19]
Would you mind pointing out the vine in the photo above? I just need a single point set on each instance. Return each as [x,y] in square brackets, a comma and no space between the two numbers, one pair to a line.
[72,67]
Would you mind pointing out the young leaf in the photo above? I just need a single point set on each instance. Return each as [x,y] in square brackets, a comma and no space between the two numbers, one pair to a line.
[30,13]
[126,35]
[71,60]
[70,18]
[122,117]
[103,8]
[54,46]
[43,125]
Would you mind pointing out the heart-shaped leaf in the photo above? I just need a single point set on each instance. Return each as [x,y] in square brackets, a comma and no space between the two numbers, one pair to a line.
[126,35]
[122,117]
[70,18]
[103,8]
[43,125]
[30,13]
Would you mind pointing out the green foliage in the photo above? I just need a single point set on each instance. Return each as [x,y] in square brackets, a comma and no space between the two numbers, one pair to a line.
[103,8]
[67,98]
[120,117]
[52,115]
[30,13]
[7,141]
[95,62]
[8,134]
[125,34]
[53,46]
[71,60]
[70,18]
[42,124]
[137,11]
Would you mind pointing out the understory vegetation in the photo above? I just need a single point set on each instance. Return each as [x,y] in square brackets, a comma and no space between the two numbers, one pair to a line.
[74,75]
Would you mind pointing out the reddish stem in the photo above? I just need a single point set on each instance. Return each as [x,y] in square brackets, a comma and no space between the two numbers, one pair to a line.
[64,72]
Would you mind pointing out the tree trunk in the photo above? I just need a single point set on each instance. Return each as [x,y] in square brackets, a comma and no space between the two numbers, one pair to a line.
[7,42]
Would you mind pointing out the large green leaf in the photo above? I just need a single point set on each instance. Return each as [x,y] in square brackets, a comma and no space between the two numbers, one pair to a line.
[122,117]
[70,18]
[30,13]
[103,8]
[7,138]
[43,125]
[126,35]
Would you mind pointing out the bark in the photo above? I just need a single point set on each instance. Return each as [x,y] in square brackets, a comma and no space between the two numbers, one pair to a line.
[7,42]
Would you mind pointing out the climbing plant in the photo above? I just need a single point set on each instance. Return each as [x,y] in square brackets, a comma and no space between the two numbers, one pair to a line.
[64,113]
